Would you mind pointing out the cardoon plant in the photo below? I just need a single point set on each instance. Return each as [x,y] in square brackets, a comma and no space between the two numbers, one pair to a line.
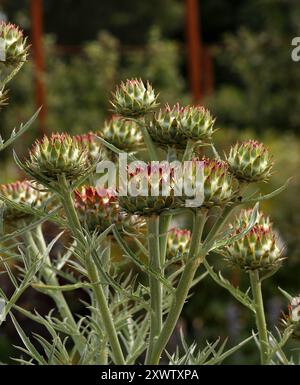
[133,301]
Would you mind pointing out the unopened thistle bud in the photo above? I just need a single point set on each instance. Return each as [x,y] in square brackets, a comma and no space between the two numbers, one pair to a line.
[196,123]
[150,191]
[95,149]
[13,45]
[250,161]
[134,98]
[260,249]
[56,155]
[21,192]
[220,187]
[165,127]
[178,243]
[122,133]
[98,209]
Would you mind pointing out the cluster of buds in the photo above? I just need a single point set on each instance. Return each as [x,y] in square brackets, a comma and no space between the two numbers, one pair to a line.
[145,185]
[14,49]
[220,186]
[260,249]
[250,161]
[134,98]
[56,155]
[173,126]
[95,149]
[99,208]
[122,133]
[178,243]
[21,192]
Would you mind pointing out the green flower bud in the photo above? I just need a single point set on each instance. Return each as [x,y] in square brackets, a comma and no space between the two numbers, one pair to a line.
[14,45]
[122,133]
[98,209]
[95,149]
[134,98]
[196,123]
[178,243]
[220,187]
[165,127]
[250,161]
[56,155]
[143,201]
[260,249]
[21,192]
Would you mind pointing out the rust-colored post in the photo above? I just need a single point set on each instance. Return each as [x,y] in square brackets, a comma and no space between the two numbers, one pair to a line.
[38,58]
[208,69]
[194,48]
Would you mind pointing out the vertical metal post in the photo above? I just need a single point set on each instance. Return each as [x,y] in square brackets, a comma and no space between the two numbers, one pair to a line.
[38,58]
[194,48]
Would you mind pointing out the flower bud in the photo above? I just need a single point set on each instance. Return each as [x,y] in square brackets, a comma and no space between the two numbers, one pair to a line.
[56,155]
[250,161]
[98,209]
[14,45]
[220,187]
[178,243]
[134,98]
[196,123]
[260,249]
[94,148]
[165,127]
[122,133]
[150,191]
[21,192]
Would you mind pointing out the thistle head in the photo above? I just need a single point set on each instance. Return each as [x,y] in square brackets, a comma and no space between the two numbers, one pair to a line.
[134,98]
[260,249]
[21,192]
[178,243]
[122,133]
[196,123]
[220,187]
[165,127]
[15,48]
[150,190]
[250,161]
[94,148]
[56,155]
[99,208]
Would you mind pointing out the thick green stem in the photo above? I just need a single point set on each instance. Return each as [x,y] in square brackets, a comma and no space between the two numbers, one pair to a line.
[51,279]
[99,291]
[164,224]
[155,284]
[260,316]
[188,153]
[182,289]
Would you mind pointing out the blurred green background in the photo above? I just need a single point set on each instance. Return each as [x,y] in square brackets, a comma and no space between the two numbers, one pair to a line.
[250,84]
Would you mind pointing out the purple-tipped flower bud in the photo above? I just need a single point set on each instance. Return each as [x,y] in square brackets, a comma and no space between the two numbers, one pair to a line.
[250,161]
[134,98]
[56,155]
[259,249]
